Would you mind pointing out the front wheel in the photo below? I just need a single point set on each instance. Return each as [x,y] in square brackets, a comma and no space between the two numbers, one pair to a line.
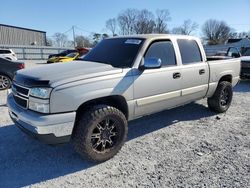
[100,133]
[5,82]
[222,98]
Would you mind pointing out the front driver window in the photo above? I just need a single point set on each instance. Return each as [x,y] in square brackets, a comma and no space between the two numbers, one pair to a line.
[163,50]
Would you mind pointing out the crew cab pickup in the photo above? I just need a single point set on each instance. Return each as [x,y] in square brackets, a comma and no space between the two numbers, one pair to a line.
[90,101]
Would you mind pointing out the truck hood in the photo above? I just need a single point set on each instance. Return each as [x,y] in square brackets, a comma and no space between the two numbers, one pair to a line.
[61,73]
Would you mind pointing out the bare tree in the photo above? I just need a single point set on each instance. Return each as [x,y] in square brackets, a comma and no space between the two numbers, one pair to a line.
[79,41]
[216,32]
[144,22]
[111,25]
[243,34]
[162,17]
[82,41]
[126,21]
[49,42]
[60,39]
[105,35]
[96,37]
[240,35]
[186,28]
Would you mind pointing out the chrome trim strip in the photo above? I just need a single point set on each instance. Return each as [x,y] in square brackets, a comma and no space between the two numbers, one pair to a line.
[195,89]
[158,98]
[20,94]
[16,95]
[170,95]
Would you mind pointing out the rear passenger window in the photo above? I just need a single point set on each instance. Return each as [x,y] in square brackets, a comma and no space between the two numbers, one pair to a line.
[163,50]
[190,52]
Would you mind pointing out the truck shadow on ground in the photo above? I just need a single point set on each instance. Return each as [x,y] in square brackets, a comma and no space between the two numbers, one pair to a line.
[243,86]
[25,161]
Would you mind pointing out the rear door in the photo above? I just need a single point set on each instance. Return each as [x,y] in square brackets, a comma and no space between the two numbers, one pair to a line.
[158,89]
[194,71]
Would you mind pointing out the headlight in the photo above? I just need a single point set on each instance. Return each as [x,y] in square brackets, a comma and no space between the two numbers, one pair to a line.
[39,105]
[40,92]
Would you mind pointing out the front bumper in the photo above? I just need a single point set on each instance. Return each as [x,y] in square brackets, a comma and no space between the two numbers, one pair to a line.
[50,129]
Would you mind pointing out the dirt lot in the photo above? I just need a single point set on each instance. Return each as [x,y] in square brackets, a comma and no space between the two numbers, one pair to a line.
[184,147]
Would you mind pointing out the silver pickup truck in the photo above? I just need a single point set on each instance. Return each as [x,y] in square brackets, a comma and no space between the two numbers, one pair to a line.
[90,101]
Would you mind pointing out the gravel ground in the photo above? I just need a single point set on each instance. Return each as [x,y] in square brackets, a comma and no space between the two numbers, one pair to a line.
[185,147]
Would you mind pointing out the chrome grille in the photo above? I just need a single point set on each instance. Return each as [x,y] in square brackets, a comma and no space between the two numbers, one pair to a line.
[21,95]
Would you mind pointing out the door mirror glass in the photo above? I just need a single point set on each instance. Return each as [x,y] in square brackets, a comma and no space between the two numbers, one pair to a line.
[151,63]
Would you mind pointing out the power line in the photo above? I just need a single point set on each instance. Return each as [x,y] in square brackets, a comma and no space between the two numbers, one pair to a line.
[67,30]
[83,29]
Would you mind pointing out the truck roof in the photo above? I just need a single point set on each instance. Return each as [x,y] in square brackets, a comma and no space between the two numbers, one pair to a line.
[158,36]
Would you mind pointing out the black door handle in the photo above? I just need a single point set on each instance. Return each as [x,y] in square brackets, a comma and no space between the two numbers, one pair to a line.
[176,75]
[202,71]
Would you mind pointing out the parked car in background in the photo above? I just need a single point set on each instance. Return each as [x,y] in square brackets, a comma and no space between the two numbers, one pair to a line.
[233,52]
[83,51]
[244,55]
[8,54]
[67,58]
[245,63]
[7,70]
[63,53]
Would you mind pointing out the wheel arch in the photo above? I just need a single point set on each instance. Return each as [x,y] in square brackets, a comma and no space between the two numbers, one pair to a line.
[213,85]
[6,74]
[116,101]
[227,77]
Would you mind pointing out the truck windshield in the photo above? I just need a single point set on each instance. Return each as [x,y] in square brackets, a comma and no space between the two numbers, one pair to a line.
[246,53]
[118,52]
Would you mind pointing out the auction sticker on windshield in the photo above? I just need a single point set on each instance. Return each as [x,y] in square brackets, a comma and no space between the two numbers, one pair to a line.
[132,41]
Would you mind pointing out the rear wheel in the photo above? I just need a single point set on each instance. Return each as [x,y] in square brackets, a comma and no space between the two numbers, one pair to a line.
[5,82]
[100,133]
[222,98]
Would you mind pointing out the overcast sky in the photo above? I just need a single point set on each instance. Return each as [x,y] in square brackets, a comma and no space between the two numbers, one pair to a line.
[90,15]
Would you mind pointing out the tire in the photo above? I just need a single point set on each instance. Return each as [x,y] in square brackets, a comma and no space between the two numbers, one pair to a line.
[5,82]
[222,98]
[100,133]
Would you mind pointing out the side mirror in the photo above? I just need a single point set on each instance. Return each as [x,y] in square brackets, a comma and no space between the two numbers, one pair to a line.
[151,63]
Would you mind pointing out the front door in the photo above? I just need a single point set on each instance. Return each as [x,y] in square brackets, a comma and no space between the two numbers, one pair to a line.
[158,89]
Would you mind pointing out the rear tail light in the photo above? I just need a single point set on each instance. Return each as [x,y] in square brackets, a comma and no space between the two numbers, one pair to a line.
[21,66]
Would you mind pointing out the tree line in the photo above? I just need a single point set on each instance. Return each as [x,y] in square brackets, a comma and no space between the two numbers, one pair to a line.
[134,21]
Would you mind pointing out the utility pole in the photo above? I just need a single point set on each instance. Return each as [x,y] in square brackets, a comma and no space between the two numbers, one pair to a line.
[73,29]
